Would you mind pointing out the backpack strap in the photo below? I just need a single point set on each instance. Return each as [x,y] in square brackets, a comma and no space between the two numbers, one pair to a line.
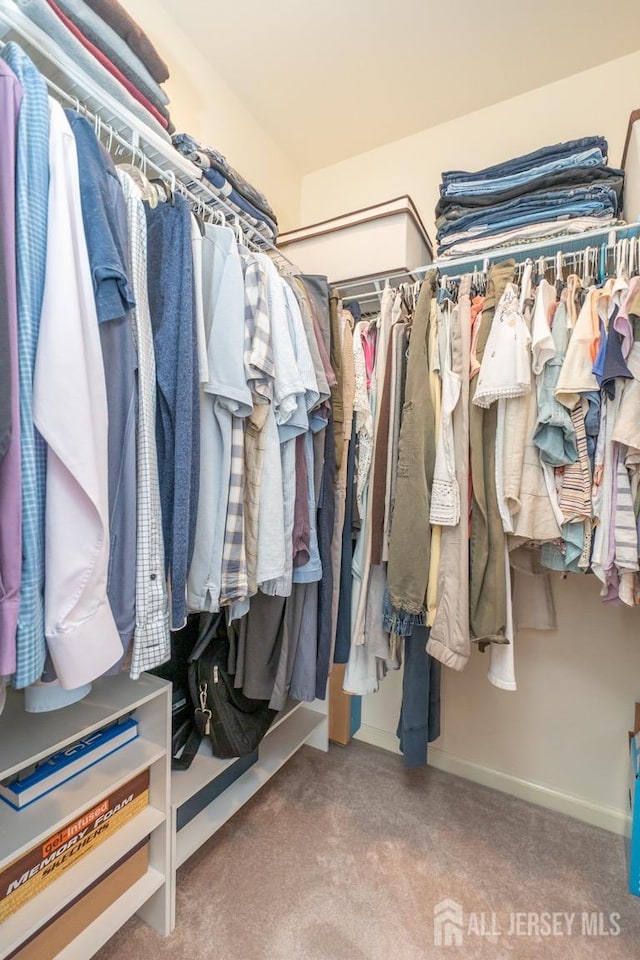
[191,747]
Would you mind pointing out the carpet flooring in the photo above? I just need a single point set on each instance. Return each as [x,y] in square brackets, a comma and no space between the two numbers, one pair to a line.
[345,856]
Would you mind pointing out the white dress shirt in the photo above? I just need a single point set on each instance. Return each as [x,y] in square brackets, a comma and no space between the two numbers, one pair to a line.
[70,411]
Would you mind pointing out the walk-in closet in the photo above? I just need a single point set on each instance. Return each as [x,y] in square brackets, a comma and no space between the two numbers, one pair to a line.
[319,480]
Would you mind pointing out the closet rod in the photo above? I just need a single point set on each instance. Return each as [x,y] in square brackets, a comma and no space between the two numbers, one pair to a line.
[401,275]
[210,201]
[567,243]
[374,295]
[566,246]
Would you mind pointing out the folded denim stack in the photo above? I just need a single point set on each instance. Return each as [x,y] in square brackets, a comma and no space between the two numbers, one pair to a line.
[558,189]
[238,193]
[104,40]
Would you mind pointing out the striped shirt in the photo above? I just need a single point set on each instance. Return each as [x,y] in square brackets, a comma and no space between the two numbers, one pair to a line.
[234,582]
[151,642]
[32,189]
[575,491]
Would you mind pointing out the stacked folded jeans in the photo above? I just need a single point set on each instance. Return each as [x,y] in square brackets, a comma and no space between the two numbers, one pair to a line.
[555,190]
[238,193]
[103,40]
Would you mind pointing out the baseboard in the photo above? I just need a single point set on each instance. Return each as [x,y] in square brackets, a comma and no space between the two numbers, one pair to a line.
[377,738]
[605,817]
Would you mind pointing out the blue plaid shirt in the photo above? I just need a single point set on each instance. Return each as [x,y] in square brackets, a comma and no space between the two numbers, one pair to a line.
[32,193]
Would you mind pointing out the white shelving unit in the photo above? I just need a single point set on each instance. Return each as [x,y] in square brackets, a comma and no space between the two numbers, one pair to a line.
[25,739]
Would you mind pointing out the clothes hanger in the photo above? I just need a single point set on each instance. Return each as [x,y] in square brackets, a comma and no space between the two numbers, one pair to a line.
[214,216]
[586,276]
[111,135]
[137,169]
[199,215]
[166,183]
[254,245]
[622,259]
[633,257]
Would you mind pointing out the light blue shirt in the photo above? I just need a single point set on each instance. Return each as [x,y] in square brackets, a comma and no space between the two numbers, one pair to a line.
[32,192]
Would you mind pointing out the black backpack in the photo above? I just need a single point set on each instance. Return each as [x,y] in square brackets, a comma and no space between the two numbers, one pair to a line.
[233,723]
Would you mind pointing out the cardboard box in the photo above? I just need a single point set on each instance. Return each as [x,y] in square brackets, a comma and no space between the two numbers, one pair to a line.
[46,861]
[631,167]
[87,907]
[66,764]
[386,238]
[345,709]
[633,836]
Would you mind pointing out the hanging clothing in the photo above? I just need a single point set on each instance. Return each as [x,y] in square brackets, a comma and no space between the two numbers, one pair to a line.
[105,225]
[554,434]
[449,637]
[170,281]
[151,643]
[409,548]
[445,496]
[343,489]
[397,362]
[10,470]
[70,412]
[32,188]
[487,585]
[259,371]
[419,722]
[505,367]
[538,517]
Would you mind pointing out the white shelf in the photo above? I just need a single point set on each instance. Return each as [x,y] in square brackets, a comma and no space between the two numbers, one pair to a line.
[290,707]
[25,738]
[276,748]
[103,927]
[30,737]
[45,905]
[205,767]
[20,830]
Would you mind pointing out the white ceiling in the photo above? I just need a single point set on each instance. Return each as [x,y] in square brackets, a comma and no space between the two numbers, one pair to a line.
[332,78]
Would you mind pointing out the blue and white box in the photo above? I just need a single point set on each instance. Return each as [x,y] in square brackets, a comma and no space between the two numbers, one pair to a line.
[61,767]
[633,837]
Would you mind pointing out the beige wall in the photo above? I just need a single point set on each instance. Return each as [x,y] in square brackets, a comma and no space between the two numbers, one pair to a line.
[204,105]
[564,730]
[597,101]
[561,738]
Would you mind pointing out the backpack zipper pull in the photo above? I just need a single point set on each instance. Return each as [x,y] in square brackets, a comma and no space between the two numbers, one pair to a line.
[203,689]
[215,674]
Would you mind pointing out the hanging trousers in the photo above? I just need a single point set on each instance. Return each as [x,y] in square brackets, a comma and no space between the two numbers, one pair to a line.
[449,639]
[487,575]
[410,542]
[419,722]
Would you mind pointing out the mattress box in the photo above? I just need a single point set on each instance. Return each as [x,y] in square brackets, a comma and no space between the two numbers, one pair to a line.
[387,238]
[51,939]
[631,166]
[25,877]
